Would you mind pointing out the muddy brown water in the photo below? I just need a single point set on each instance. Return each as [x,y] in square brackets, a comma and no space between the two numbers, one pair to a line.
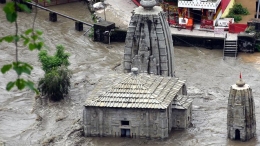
[27,121]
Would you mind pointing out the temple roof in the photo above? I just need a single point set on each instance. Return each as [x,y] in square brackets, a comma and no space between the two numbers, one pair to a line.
[135,91]
[181,102]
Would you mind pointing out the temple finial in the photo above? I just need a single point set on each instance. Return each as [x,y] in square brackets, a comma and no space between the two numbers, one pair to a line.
[240,82]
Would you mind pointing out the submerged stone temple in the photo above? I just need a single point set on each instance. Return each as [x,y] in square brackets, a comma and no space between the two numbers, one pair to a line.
[137,105]
[241,122]
[147,101]
[148,44]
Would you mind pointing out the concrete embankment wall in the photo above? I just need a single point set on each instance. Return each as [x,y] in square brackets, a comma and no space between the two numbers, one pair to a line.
[193,41]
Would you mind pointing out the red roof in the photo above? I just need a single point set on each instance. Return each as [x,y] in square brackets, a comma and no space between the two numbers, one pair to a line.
[224,4]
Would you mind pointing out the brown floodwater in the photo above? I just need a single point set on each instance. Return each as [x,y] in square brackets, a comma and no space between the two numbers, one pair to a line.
[25,120]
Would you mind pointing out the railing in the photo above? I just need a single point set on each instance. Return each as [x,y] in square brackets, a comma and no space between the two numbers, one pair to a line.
[224,47]
[236,50]
[54,2]
[46,9]
[199,5]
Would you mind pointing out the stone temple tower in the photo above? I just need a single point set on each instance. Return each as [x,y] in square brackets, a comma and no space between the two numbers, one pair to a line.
[148,44]
[241,123]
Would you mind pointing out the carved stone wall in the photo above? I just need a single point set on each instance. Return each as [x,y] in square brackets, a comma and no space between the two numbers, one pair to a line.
[146,123]
[148,44]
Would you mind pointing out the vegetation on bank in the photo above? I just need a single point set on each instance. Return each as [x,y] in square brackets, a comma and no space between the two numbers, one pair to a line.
[237,11]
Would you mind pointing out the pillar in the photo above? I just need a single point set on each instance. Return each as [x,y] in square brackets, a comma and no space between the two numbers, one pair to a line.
[2,1]
[52,17]
[78,26]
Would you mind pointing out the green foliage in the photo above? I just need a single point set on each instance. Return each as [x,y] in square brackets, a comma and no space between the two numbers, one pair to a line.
[24,7]
[57,75]
[21,84]
[91,33]
[19,68]
[8,38]
[31,39]
[56,81]
[237,18]
[10,12]
[50,62]
[250,29]
[94,17]
[236,12]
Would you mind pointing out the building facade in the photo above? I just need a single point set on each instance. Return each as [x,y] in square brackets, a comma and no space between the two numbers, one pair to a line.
[145,106]
[241,122]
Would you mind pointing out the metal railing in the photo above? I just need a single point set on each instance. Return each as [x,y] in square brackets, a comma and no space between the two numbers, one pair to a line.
[63,15]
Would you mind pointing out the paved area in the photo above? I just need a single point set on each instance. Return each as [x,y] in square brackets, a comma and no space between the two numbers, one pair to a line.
[203,33]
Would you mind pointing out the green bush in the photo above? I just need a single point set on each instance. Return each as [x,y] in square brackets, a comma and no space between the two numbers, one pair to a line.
[56,81]
[59,58]
[236,17]
[91,33]
[238,10]
[250,29]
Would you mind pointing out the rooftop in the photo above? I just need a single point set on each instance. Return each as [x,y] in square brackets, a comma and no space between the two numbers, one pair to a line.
[199,4]
[135,91]
[181,102]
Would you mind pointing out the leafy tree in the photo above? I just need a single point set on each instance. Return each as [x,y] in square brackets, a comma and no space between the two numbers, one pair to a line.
[56,81]
[31,38]
[60,58]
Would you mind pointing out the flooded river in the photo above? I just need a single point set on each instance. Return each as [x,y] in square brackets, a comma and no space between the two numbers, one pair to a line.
[26,120]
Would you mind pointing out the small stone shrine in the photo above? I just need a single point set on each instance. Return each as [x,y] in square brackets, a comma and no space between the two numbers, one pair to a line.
[241,122]
[148,44]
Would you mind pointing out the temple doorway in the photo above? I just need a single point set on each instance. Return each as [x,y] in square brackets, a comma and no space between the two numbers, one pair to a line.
[125,132]
[237,134]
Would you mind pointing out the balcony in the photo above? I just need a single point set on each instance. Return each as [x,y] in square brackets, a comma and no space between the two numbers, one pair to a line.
[199,4]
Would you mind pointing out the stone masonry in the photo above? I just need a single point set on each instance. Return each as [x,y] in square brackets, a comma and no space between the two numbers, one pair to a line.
[241,122]
[137,105]
[149,45]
